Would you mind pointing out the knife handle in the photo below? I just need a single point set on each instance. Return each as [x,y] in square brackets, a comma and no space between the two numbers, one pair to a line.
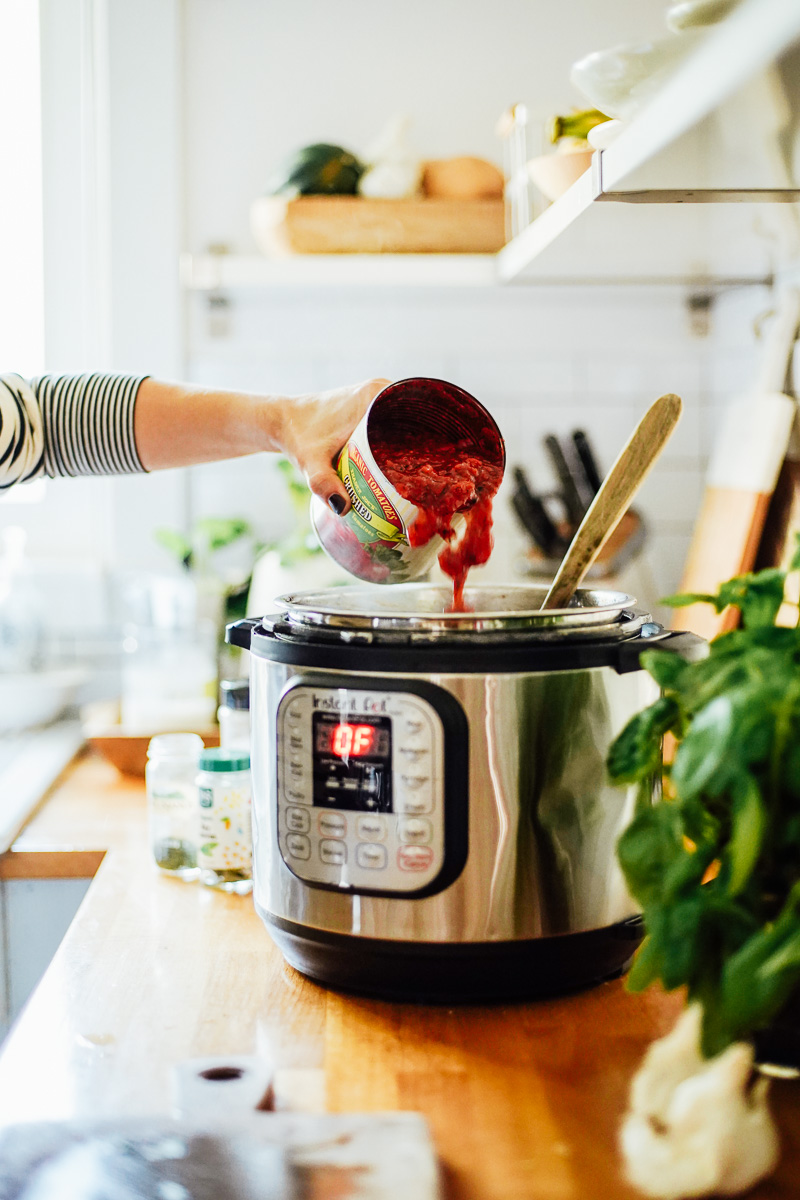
[572,497]
[587,460]
[534,516]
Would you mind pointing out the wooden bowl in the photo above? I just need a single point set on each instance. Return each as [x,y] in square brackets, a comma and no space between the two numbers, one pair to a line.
[128,751]
[555,174]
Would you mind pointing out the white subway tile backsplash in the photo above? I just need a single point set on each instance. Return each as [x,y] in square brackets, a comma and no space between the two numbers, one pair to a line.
[525,377]
[646,377]
[666,563]
[670,494]
[286,376]
[542,359]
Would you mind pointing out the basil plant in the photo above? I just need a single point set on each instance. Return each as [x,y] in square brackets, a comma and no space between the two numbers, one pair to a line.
[715,864]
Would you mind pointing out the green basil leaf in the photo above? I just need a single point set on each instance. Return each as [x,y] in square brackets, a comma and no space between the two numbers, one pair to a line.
[636,752]
[665,666]
[758,597]
[791,779]
[684,599]
[747,832]
[703,761]
[682,940]
[646,965]
[794,565]
[647,849]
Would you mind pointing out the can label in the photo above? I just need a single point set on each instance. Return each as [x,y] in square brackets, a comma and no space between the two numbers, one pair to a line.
[374,515]
[225,835]
[371,541]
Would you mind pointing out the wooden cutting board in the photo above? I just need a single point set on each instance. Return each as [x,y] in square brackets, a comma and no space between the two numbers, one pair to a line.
[744,468]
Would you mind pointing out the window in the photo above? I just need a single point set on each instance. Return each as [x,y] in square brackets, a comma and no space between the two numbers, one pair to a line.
[21,271]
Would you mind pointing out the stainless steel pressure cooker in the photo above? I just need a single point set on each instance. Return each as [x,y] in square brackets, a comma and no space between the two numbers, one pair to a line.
[432,817]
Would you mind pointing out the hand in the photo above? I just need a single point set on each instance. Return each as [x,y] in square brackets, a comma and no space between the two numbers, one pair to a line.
[314,428]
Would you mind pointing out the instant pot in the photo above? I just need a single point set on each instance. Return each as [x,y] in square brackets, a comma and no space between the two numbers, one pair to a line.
[432,817]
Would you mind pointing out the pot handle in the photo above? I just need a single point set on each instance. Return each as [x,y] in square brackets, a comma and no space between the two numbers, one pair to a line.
[688,645]
[239,632]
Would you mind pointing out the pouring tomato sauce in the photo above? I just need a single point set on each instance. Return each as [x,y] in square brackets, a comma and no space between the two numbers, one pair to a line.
[442,480]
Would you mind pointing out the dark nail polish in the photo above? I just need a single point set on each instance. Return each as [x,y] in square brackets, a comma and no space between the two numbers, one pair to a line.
[336,503]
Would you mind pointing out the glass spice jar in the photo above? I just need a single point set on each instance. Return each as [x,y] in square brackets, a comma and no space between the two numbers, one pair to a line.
[225,841]
[171,780]
[233,714]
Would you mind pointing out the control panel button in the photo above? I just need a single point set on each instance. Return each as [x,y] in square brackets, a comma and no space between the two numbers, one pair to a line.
[415,830]
[372,828]
[332,825]
[414,726]
[414,858]
[413,783]
[297,794]
[298,845]
[415,804]
[295,711]
[296,769]
[370,856]
[298,820]
[334,853]
[412,754]
[295,741]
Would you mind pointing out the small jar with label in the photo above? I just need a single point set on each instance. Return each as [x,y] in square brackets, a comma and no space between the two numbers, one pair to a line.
[171,778]
[233,714]
[225,840]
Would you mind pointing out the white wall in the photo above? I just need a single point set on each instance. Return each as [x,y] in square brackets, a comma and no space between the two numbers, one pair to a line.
[264,77]
[542,360]
[254,79]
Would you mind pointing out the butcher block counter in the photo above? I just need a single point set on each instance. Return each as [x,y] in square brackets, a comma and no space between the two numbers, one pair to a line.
[523,1100]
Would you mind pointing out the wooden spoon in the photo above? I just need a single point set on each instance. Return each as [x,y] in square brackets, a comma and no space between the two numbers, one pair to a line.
[616,492]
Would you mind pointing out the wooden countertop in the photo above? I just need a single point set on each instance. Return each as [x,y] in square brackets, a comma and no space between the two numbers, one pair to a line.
[524,1100]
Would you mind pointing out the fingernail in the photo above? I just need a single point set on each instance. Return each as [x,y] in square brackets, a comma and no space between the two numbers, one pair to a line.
[336,503]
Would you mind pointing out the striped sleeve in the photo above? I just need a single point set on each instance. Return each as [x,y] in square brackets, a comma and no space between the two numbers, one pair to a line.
[67,425]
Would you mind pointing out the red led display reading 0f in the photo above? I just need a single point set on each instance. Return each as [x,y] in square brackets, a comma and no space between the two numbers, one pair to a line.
[350,741]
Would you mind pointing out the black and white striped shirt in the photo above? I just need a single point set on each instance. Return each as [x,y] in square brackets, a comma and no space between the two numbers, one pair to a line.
[67,425]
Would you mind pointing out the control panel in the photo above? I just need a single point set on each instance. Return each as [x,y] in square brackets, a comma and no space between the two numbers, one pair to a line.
[361,788]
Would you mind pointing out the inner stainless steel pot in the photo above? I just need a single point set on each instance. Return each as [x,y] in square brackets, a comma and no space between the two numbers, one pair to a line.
[424,609]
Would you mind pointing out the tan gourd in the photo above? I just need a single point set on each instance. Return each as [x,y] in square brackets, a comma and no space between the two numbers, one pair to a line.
[465,178]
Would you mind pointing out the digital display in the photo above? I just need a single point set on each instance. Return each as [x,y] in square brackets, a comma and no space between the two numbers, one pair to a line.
[352,762]
[346,740]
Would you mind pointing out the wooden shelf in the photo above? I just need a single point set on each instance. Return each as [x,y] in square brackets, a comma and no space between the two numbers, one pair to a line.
[209,272]
[650,209]
[674,155]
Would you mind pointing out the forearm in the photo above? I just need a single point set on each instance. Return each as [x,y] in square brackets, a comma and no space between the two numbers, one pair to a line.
[176,425]
[104,424]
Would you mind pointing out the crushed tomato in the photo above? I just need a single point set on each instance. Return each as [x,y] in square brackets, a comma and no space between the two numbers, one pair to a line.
[443,480]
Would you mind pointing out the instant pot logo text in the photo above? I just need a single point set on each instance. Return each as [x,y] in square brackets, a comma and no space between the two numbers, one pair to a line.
[349,703]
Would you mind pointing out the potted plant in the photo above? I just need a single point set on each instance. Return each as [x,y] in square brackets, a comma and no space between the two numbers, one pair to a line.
[715,864]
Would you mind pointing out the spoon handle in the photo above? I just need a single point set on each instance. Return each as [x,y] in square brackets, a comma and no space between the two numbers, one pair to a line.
[614,497]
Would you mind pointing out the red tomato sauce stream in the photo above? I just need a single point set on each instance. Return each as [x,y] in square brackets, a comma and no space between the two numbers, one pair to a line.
[443,480]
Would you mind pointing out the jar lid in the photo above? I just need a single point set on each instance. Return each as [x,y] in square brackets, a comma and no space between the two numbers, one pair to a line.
[175,745]
[224,758]
[234,693]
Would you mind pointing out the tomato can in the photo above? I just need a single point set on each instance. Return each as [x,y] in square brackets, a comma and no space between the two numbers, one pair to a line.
[371,541]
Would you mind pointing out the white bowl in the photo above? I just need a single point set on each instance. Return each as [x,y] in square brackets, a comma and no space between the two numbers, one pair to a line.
[36,697]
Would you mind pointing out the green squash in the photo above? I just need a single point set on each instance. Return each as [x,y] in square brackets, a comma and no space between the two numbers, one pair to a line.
[318,170]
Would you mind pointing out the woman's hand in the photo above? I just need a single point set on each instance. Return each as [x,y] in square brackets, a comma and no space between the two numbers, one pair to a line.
[314,429]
